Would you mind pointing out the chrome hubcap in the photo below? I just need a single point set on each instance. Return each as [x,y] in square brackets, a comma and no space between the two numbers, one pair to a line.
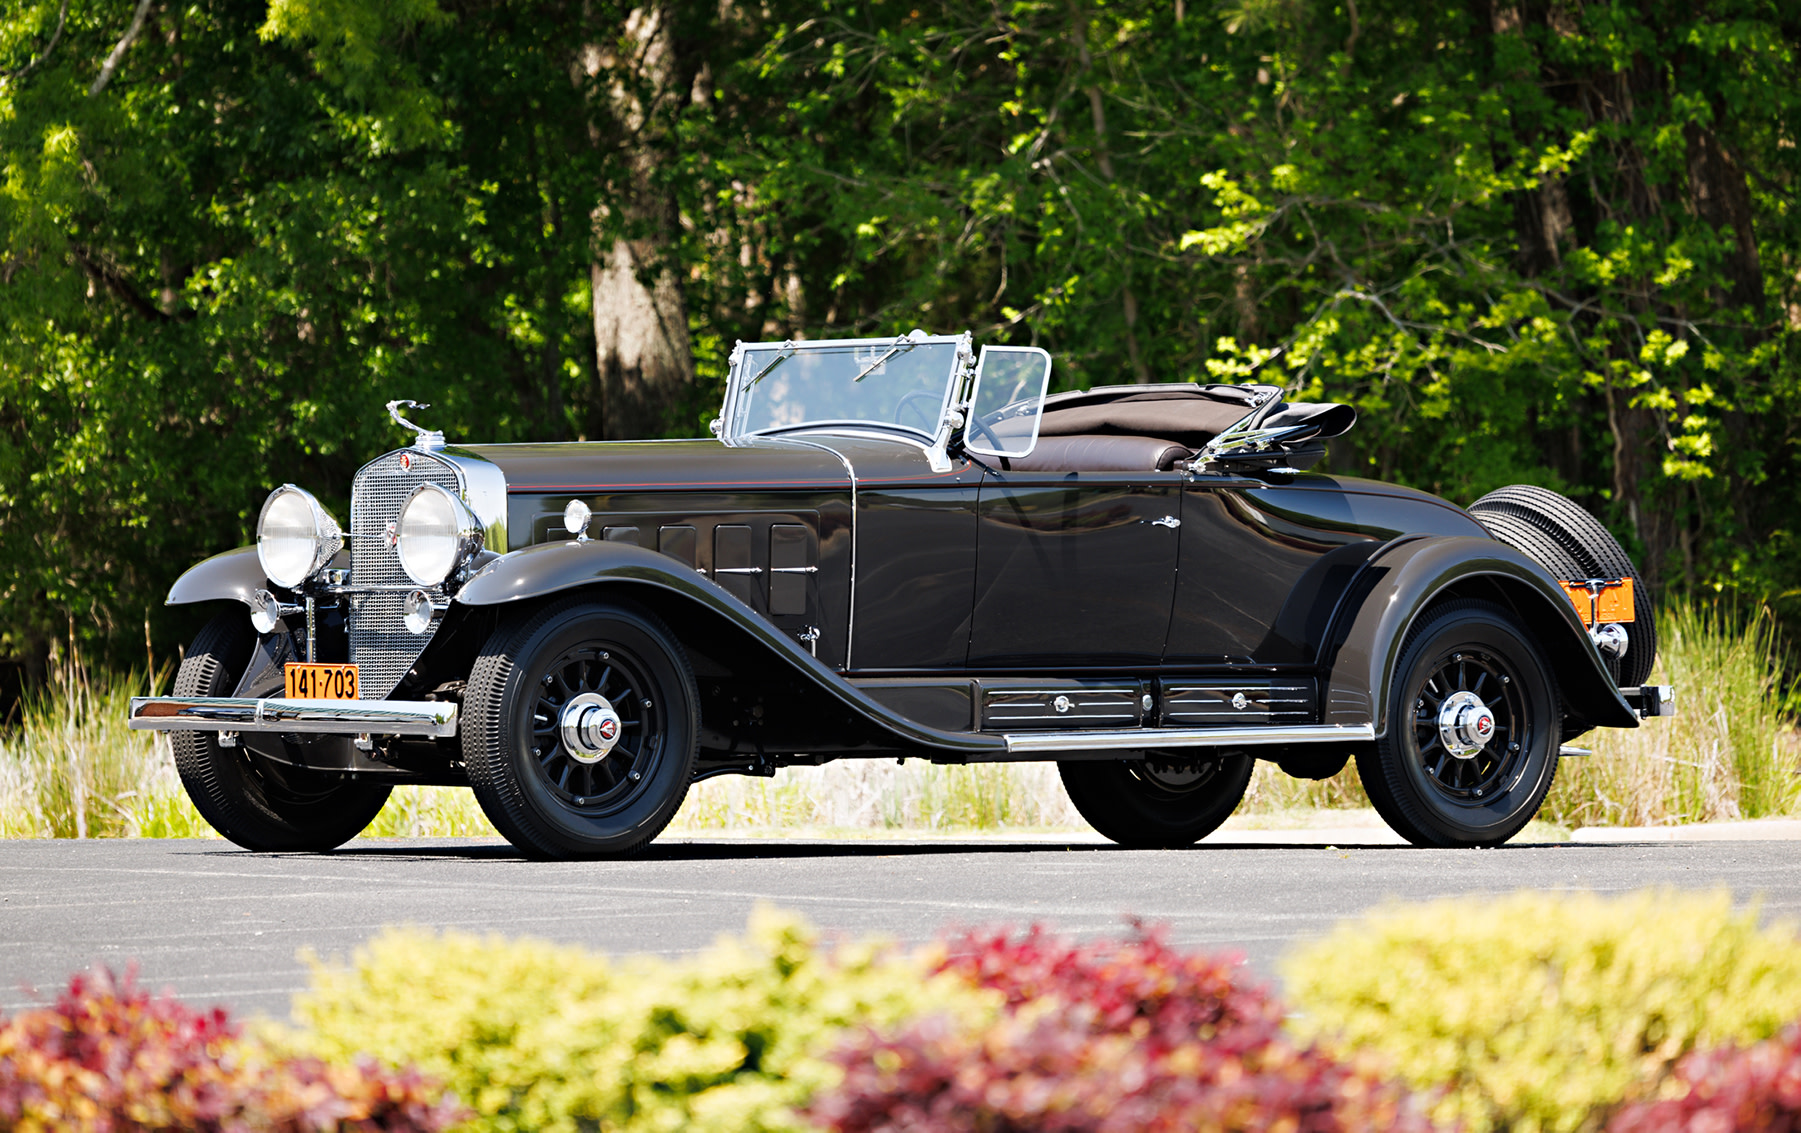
[590,727]
[1465,725]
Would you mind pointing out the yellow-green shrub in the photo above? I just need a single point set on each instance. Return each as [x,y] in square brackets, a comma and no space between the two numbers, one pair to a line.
[538,1036]
[1537,1012]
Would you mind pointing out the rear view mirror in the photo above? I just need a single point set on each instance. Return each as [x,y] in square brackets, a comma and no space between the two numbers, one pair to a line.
[1008,401]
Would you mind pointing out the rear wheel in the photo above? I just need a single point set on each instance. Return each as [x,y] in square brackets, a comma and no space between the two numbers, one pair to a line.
[1472,737]
[1161,802]
[581,724]
[1559,535]
[259,803]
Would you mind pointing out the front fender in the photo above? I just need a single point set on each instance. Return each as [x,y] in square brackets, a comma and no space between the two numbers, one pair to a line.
[235,574]
[1401,581]
[552,568]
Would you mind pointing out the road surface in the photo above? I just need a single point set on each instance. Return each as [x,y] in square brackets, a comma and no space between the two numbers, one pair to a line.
[219,925]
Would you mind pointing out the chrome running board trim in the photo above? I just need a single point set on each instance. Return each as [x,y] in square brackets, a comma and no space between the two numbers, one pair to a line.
[1132,739]
[248,714]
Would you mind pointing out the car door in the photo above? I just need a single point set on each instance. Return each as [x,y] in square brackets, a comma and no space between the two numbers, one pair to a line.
[1074,570]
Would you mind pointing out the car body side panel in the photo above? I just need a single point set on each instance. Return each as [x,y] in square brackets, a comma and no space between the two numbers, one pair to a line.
[693,530]
[916,576]
[1264,565]
[915,553]
[782,500]
[1408,575]
[1074,569]
[553,568]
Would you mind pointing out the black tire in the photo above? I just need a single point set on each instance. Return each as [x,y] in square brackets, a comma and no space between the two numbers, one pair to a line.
[533,788]
[1162,802]
[1560,536]
[259,803]
[1422,791]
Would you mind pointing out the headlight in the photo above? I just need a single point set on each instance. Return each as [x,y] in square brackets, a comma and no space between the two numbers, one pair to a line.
[295,537]
[437,533]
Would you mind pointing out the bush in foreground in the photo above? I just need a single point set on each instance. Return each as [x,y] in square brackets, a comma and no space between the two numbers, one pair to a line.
[1754,1090]
[109,1056]
[1537,1012]
[1123,1036]
[542,1037]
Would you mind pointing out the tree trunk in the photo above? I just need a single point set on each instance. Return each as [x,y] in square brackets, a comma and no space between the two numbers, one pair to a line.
[1719,195]
[642,354]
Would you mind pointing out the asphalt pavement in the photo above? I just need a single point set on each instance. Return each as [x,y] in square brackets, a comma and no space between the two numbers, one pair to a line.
[219,925]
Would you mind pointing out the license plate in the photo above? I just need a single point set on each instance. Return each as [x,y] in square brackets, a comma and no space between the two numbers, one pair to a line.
[320,682]
[1614,603]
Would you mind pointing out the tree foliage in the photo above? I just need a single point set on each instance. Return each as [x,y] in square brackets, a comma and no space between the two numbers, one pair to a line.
[1550,241]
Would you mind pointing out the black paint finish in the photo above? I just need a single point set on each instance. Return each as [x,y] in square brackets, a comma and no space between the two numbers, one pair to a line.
[1072,569]
[1264,565]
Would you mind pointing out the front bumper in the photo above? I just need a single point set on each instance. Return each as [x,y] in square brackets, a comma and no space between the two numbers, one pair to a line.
[332,717]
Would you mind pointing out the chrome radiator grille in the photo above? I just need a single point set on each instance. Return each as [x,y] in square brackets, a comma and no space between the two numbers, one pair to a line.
[380,644]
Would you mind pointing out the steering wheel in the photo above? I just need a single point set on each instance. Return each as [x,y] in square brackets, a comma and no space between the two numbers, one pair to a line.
[976,424]
[907,402]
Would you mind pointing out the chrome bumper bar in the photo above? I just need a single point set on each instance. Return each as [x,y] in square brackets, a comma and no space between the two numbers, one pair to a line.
[338,717]
[1137,738]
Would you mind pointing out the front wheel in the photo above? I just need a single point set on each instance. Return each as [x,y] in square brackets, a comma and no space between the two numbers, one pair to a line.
[1472,737]
[1161,802]
[581,724]
[259,803]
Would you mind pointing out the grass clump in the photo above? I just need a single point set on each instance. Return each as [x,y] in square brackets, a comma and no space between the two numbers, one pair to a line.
[1729,751]
[544,1037]
[71,768]
[1547,1028]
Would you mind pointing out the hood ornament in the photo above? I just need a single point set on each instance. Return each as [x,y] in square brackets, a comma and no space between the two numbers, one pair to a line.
[423,438]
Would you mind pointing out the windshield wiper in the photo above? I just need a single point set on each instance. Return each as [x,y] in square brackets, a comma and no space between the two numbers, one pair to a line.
[905,341]
[785,353]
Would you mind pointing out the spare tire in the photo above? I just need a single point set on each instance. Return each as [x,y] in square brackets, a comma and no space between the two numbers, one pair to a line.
[1560,536]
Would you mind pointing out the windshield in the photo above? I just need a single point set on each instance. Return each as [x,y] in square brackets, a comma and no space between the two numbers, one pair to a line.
[893,383]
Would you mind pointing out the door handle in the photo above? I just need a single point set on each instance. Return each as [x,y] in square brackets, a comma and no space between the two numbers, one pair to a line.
[1168,521]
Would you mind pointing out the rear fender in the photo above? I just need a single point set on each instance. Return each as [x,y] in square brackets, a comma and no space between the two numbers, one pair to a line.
[567,566]
[1408,576]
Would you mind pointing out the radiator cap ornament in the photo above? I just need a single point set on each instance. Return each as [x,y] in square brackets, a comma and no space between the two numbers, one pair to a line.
[424,439]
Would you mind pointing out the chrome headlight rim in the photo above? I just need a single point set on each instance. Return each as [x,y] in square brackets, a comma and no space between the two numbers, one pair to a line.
[326,537]
[466,536]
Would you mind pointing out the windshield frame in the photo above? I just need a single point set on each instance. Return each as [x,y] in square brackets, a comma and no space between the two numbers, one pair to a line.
[740,382]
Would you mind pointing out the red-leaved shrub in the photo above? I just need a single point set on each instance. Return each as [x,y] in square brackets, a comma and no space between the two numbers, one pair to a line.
[1755,1089]
[109,1056]
[1127,1035]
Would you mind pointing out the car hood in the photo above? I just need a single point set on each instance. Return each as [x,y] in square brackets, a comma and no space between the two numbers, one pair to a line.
[706,465]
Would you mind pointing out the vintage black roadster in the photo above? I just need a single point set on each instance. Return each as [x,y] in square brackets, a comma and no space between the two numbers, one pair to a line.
[894,548]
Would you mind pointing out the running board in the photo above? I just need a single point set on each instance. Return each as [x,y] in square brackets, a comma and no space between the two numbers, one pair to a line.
[1139,739]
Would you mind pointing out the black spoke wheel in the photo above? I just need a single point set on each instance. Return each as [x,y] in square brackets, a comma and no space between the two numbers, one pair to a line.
[1166,800]
[1473,731]
[580,729]
[259,803]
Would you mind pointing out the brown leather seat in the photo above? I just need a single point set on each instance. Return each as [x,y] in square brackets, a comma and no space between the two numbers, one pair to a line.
[1101,454]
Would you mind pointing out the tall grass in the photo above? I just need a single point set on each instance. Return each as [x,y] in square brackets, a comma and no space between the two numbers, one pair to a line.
[69,767]
[1728,752]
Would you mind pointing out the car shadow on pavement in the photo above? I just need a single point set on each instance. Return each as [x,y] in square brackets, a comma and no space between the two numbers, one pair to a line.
[418,849]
